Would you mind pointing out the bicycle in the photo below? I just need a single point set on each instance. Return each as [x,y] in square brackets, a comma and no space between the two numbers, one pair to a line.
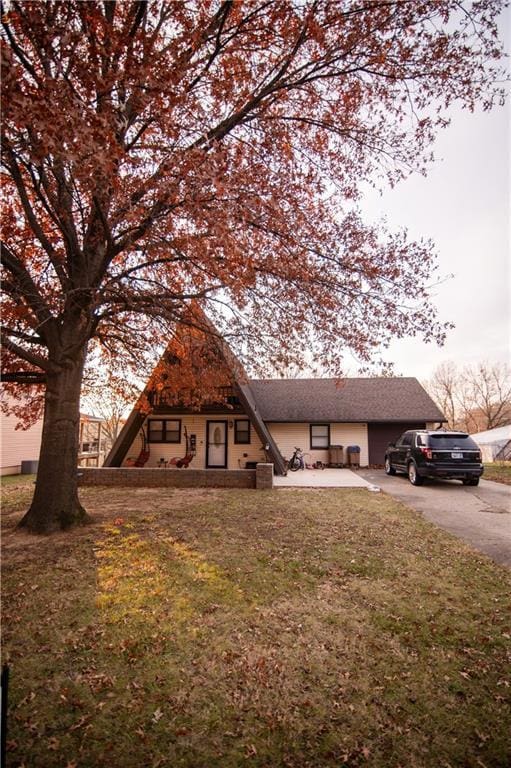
[296,461]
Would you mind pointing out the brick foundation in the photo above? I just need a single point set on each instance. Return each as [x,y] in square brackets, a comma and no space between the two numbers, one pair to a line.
[142,477]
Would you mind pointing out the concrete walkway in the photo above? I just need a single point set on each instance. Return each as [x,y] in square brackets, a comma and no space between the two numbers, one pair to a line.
[322,478]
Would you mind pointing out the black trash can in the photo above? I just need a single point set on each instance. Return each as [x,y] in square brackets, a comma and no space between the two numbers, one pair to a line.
[30,467]
[353,452]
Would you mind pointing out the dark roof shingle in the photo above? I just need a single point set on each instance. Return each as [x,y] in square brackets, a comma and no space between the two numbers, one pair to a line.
[332,400]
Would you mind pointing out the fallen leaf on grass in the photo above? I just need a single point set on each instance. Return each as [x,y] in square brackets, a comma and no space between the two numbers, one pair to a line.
[53,743]
[157,715]
[80,723]
[29,697]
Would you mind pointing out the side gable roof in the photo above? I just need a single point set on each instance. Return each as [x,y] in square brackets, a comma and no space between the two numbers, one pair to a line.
[352,399]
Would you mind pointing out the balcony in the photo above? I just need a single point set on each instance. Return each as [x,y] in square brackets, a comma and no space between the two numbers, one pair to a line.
[227,400]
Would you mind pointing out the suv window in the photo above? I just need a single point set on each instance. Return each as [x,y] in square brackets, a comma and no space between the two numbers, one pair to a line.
[448,441]
[407,438]
[420,440]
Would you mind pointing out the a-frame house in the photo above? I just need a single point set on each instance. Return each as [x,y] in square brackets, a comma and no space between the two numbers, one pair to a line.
[197,406]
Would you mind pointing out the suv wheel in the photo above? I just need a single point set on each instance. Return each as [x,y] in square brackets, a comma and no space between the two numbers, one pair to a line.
[413,475]
[471,481]
[389,469]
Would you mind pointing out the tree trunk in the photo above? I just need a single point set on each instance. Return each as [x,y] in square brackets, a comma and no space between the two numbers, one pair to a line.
[55,505]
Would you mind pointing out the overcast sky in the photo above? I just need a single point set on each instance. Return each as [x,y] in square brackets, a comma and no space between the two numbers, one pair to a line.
[464,206]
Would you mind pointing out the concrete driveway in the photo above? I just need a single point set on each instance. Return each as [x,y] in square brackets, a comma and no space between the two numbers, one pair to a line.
[480,515]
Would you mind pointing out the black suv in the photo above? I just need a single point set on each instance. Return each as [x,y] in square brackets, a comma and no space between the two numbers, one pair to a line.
[426,453]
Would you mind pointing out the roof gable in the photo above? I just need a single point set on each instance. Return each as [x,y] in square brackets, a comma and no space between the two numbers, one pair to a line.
[199,361]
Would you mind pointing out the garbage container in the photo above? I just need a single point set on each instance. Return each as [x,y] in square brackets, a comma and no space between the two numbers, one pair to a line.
[29,467]
[353,452]
[335,458]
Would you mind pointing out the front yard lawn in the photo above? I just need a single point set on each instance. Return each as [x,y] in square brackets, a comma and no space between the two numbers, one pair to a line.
[499,471]
[216,629]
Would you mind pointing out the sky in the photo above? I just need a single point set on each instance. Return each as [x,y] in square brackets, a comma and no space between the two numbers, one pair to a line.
[464,206]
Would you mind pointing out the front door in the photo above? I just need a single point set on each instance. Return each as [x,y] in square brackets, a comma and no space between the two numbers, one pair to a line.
[216,444]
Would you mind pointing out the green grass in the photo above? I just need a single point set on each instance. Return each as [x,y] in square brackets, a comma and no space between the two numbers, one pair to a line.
[498,471]
[16,480]
[219,629]
[16,491]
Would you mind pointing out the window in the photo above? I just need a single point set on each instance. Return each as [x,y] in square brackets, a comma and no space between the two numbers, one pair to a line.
[164,431]
[320,435]
[449,442]
[242,431]
[407,438]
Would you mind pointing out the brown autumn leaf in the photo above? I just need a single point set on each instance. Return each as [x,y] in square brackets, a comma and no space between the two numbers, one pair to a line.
[53,743]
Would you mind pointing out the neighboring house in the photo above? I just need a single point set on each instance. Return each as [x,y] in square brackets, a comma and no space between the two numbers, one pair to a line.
[23,445]
[495,444]
[263,420]
[18,445]
[91,441]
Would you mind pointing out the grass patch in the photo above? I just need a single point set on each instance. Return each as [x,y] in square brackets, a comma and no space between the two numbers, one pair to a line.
[16,493]
[227,628]
[498,471]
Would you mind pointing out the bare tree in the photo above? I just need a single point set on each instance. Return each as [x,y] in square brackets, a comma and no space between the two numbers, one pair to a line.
[474,398]
[488,388]
[444,389]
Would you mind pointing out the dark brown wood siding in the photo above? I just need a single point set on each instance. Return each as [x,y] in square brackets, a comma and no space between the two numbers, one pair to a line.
[379,435]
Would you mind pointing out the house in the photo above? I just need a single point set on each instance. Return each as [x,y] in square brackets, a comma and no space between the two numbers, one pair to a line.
[246,421]
[19,447]
[91,442]
[495,444]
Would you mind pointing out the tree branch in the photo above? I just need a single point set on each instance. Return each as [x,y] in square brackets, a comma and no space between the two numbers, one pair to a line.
[27,288]
[25,354]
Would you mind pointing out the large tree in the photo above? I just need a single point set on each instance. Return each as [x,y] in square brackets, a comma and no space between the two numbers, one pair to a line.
[159,152]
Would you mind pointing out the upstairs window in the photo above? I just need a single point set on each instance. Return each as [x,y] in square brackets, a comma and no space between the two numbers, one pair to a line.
[320,435]
[242,431]
[164,431]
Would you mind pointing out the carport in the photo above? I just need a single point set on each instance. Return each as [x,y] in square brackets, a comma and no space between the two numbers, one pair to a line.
[321,478]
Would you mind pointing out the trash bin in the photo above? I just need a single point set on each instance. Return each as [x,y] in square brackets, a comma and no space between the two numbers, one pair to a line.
[353,452]
[335,458]
[29,467]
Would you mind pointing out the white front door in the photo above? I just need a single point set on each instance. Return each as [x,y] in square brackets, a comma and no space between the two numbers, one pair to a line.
[216,444]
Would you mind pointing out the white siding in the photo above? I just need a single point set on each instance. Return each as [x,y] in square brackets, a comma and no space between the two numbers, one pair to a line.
[351,434]
[289,435]
[18,445]
[196,424]
[286,435]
